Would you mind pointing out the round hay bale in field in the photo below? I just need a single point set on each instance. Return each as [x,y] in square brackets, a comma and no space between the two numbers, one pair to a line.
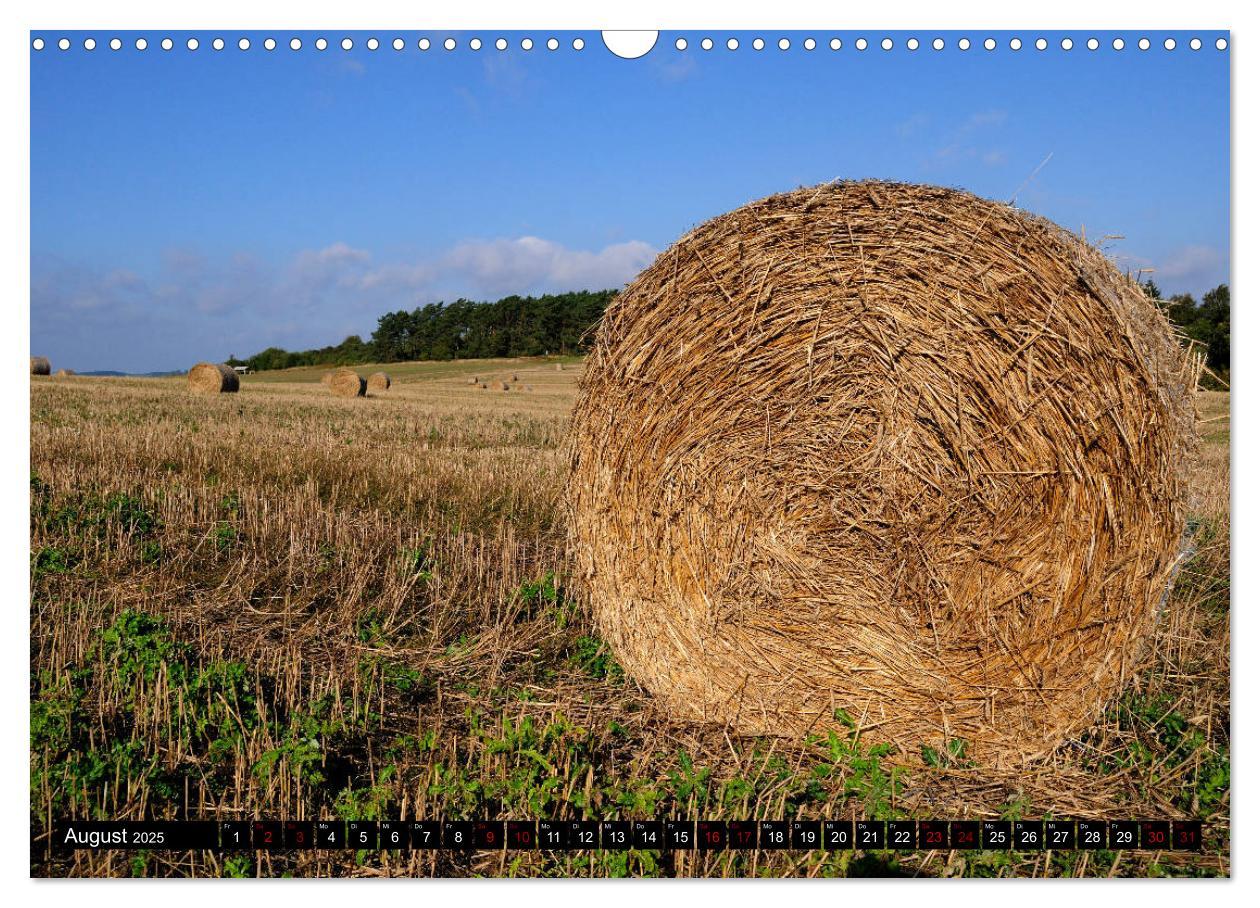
[504,386]
[559,367]
[326,377]
[213,378]
[378,381]
[484,386]
[347,383]
[40,365]
[63,373]
[883,453]
[474,380]
[515,377]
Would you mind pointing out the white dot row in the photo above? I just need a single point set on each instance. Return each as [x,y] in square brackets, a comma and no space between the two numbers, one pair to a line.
[939,44]
[320,44]
[681,44]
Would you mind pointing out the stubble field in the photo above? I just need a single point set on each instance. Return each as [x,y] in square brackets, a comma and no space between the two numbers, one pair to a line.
[279,604]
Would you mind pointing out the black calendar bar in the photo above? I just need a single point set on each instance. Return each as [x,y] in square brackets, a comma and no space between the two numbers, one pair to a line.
[673,834]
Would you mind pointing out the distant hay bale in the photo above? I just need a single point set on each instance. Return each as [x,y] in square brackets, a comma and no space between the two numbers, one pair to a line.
[40,365]
[891,450]
[474,380]
[63,373]
[559,367]
[213,378]
[515,377]
[504,386]
[378,381]
[484,386]
[347,383]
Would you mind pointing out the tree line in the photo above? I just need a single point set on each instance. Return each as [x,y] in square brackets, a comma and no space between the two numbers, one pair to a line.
[465,329]
[561,323]
[1205,321]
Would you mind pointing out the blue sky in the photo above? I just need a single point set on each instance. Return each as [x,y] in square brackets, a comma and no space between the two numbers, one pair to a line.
[188,205]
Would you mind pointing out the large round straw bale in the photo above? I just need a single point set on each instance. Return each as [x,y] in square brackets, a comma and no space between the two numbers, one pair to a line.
[213,378]
[326,377]
[347,383]
[378,381]
[63,373]
[890,450]
[40,365]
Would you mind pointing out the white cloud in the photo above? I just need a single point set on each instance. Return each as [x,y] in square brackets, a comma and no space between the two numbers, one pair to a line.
[1189,262]
[913,125]
[1192,269]
[970,140]
[984,118]
[337,253]
[498,267]
[506,73]
[675,68]
[194,307]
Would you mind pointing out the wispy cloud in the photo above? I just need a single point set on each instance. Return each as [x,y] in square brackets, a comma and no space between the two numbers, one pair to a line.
[496,267]
[1189,269]
[477,268]
[973,139]
[984,118]
[506,73]
[913,125]
[195,307]
[1190,263]
[676,67]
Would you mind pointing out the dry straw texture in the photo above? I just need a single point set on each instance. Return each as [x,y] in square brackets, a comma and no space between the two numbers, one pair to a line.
[893,450]
[347,383]
[213,378]
[40,365]
[64,373]
[378,381]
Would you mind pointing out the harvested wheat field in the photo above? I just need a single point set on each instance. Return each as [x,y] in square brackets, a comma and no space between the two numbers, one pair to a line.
[887,452]
[291,607]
